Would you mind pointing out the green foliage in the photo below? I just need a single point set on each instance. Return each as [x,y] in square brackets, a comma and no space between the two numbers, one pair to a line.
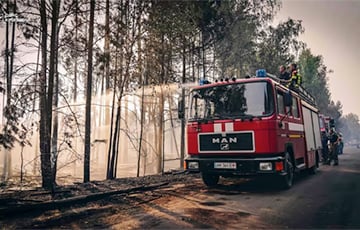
[242,22]
[16,128]
[278,44]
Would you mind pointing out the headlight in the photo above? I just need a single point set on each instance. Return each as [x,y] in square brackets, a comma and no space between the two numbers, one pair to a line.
[193,165]
[265,166]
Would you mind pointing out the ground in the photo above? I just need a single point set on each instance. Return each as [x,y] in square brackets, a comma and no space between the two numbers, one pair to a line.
[172,201]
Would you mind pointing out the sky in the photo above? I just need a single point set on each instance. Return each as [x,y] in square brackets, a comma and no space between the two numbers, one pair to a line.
[332,30]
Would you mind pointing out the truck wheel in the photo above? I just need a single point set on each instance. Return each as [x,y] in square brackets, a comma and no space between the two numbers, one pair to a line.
[286,181]
[210,180]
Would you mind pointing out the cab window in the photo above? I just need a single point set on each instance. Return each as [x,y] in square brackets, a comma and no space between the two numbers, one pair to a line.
[280,103]
[295,109]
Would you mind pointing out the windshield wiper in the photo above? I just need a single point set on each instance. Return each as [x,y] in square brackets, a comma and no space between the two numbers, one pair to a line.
[250,117]
[247,116]
[201,120]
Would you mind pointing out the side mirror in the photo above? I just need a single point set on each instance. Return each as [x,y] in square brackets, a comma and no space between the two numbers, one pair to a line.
[181,109]
[288,99]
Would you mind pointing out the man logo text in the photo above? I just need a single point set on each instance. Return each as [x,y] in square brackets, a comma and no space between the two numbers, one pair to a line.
[223,140]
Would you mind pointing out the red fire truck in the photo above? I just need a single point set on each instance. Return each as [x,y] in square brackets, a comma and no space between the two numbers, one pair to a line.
[252,127]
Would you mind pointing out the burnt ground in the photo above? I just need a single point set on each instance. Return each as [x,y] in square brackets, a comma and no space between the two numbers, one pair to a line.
[172,201]
[328,200]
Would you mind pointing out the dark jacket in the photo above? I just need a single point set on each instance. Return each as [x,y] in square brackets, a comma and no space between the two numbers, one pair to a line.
[333,137]
[284,76]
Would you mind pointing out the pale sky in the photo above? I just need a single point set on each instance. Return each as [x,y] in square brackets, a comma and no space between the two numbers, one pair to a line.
[332,29]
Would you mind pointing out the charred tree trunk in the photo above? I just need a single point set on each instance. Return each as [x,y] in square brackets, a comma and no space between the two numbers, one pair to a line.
[115,145]
[7,164]
[75,57]
[106,78]
[109,168]
[54,144]
[44,134]
[203,56]
[87,148]
[182,135]
[52,72]
[161,131]
[141,129]
[107,45]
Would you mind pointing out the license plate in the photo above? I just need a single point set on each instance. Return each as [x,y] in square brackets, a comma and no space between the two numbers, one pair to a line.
[225,165]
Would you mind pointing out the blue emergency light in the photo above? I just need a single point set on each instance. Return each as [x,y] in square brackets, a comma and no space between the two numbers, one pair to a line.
[203,82]
[261,73]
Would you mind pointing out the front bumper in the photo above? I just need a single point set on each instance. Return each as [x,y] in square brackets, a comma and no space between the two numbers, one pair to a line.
[236,166]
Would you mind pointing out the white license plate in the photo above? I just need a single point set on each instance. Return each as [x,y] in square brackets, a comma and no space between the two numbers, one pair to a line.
[225,165]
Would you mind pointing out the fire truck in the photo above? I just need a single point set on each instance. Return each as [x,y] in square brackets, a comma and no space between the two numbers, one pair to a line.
[255,126]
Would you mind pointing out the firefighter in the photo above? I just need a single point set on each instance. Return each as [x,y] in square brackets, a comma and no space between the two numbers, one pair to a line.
[341,144]
[284,75]
[325,147]
[295,79]
[334,141]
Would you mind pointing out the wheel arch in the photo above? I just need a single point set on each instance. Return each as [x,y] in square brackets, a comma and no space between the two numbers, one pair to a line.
[289,148]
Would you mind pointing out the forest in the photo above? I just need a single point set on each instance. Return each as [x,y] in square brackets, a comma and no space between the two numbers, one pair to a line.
[105,76]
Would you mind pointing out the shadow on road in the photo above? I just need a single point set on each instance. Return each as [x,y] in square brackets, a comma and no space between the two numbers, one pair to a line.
[237,186]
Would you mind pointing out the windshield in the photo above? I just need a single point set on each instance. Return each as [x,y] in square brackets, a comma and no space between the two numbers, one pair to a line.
[232,101]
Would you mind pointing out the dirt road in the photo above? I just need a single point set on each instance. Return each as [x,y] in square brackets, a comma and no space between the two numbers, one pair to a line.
[327,200]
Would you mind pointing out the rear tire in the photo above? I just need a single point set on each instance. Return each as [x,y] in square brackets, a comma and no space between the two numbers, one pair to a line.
[287,181]
[210,180]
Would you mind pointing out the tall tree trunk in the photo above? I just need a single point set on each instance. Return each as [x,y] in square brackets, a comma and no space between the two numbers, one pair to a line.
[141,129]
[193,61]
[76,55]
[52,67]
[182,101]
[160,131]
[115,142]
[109,169]
[7,156]
[54,144]
[88,95]
[107,45]
[106,78]
[12,45]
[161,108]
[44,136]
[36,79]
[203,56]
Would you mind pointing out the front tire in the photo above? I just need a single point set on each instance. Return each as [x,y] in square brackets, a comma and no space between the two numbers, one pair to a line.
[287,180]
[210,180]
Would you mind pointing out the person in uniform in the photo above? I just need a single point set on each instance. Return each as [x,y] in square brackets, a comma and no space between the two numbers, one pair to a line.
[283,74]
[334,141]
[295,79]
